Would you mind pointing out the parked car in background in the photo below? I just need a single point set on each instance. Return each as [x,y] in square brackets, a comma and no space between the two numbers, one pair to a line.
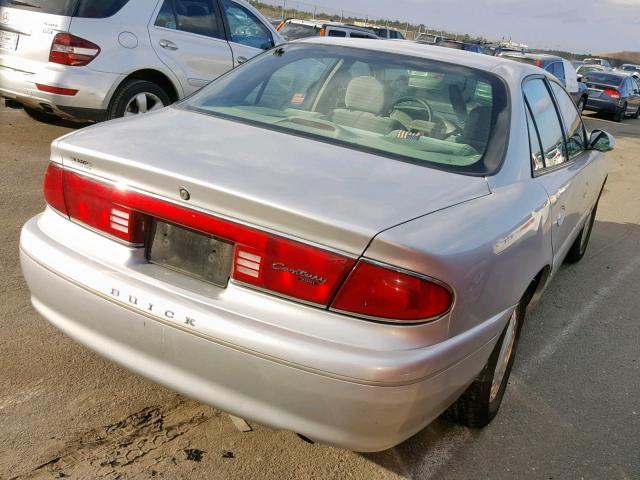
[382,32]
[429,38]
[629,68]
[583,69]
[294,29]
[598,61]
[577,63]
[87,60]
[298,248]
[458,45]
[614,93]
[562,69]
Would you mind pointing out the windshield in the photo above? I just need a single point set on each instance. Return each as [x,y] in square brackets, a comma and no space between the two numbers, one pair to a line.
[294,31]
[417,110]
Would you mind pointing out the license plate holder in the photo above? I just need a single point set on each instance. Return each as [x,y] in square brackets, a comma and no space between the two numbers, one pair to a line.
[9,41]
[190,252]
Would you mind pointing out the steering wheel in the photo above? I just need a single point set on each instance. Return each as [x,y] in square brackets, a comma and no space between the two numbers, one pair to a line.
[417,100]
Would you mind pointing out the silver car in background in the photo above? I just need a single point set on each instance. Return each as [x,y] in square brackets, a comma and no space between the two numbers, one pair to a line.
[90,60]
[339,238]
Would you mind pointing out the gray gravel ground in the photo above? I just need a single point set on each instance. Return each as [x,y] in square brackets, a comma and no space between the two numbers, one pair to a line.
[572,410]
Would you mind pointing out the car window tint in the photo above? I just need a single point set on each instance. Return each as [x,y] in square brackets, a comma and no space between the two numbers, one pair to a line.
[245,28]
[537,159]
[574,128]
[546,118]
[193,16]
[102,9]
[293,31]
[336,33]
[359,35]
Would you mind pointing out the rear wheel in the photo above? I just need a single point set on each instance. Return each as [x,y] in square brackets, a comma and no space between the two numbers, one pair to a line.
[479,404]
[136,97]
[579,247]
[620,113]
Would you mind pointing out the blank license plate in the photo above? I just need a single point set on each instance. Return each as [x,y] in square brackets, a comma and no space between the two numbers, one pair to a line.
[8,41]
[189,252]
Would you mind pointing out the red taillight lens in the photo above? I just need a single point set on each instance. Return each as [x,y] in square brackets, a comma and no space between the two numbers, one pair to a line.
[97,205]
[68,49]
[612,92]
[375,291]
[53,190]
[57,90]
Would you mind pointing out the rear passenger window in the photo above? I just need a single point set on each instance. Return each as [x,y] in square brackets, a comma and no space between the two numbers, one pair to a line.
[546,119]
[193,16]
[336,33]
[101,9]
[574,130]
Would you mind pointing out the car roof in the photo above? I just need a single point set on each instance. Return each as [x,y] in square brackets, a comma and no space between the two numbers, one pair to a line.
[421,50]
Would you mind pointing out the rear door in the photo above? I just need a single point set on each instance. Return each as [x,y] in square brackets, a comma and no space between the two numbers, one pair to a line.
[27,30]
[248,34]
[556,166]
[188,36]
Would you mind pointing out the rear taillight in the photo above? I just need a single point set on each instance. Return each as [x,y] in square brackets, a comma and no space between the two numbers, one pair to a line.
[53,191]
[68,49]
[612,92]
[261,259]
[376,291]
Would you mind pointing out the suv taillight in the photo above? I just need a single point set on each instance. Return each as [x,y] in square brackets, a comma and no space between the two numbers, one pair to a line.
[261,259]
[381,292]
[68,49]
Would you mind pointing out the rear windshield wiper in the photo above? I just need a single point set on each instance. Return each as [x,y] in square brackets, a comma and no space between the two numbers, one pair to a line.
[24,4]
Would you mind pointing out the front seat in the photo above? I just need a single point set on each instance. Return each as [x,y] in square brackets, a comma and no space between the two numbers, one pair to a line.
[365,101]
[477,128]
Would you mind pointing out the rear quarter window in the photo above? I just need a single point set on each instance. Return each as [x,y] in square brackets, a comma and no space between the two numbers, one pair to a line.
[99,9]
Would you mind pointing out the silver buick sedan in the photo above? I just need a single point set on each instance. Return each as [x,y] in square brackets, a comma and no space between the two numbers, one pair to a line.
[338,238]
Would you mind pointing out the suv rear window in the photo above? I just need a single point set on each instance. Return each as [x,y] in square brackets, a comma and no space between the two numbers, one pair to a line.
[69,8]
[417,110]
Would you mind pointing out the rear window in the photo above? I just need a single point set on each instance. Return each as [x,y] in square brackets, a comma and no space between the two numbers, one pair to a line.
[416,110]
[69,8]
[293,31]
[53,7]
[603,79]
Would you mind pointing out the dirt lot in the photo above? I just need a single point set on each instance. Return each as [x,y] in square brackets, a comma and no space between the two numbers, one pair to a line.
[572,410]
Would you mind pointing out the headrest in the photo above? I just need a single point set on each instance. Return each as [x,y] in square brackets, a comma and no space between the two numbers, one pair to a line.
[365,94]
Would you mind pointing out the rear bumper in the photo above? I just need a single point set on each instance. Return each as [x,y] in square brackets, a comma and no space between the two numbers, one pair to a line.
[598,105]
[331,392]
[94,90]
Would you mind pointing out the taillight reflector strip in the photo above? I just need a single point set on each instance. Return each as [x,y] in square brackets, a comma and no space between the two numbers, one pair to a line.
[70,92]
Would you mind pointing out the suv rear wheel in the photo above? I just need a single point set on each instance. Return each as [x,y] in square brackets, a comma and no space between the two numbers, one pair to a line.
[136,97]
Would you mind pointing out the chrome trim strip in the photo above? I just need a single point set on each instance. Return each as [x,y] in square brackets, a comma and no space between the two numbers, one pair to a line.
[8,28]
[208,212]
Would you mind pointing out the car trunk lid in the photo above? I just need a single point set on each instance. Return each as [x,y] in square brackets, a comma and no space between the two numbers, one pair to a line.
[326,194]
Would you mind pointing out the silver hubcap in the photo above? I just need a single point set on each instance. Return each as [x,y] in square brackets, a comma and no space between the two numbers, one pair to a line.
[505,354]
[142,103]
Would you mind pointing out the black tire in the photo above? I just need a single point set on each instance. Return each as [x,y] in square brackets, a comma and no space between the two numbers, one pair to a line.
[41,116]
[637,114]
[579,247]
[618,116]
[476,407]
[128,91]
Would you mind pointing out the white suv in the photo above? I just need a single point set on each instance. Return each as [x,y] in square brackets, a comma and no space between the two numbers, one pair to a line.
[96,60]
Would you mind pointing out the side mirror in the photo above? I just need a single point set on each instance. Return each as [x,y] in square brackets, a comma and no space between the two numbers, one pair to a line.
[601,141]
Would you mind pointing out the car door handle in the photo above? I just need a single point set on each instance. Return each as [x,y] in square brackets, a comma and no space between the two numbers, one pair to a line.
[168,45]
[241,60]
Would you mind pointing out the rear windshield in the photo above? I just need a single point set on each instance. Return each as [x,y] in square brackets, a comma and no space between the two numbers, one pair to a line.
[603,78]
[417,110]
[294,31]
[69,8]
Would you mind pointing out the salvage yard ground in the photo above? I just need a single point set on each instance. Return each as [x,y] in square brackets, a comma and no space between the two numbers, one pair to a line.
[572,410]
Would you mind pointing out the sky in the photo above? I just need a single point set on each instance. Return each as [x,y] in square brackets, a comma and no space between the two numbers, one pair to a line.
[579,26]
